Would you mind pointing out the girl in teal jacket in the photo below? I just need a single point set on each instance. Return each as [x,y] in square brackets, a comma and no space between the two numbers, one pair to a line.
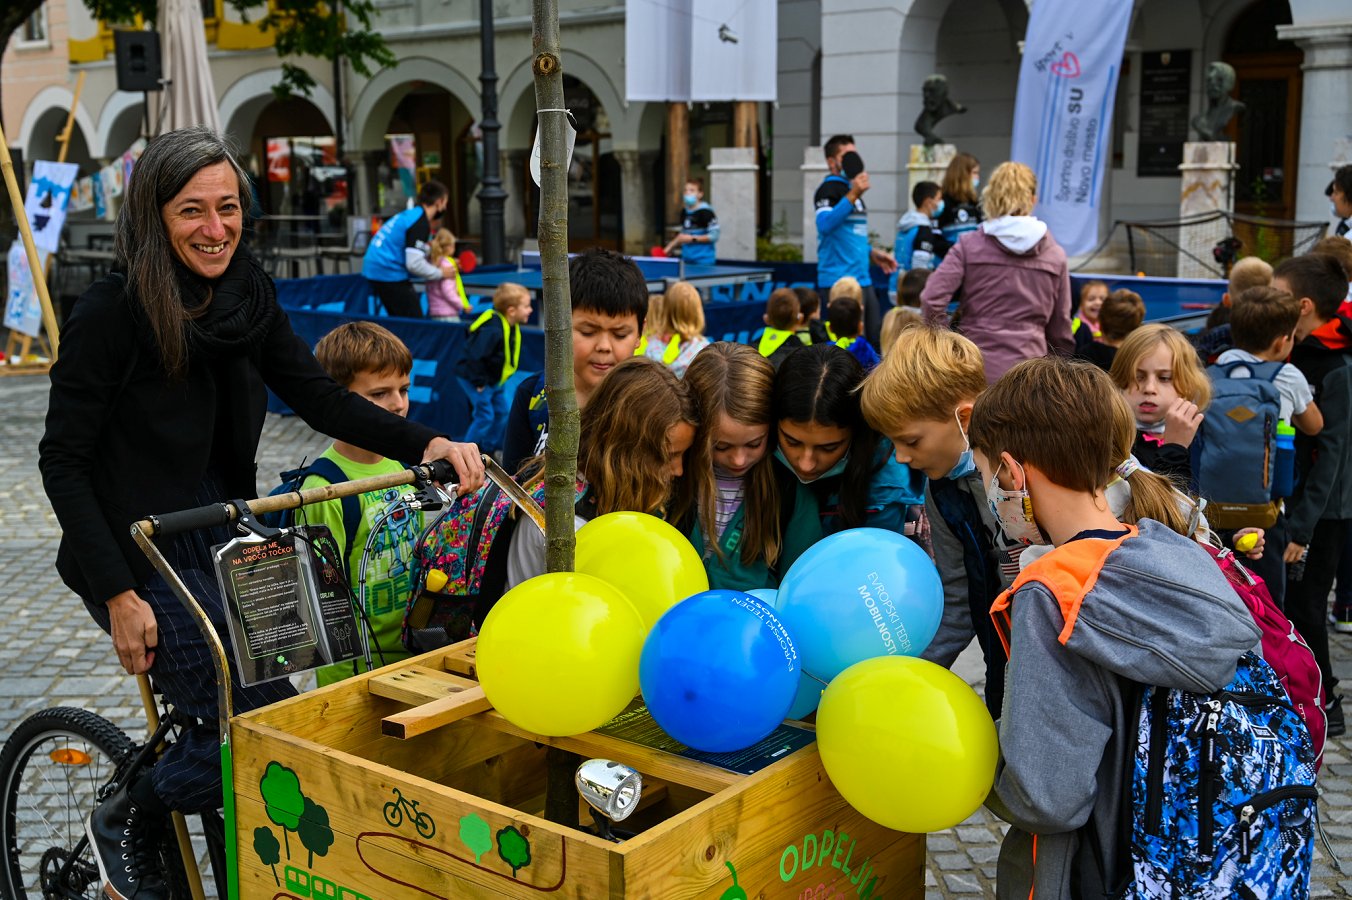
[757,533]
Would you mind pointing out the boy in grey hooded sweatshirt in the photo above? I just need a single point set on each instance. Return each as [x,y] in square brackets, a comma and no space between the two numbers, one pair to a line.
[1111,601]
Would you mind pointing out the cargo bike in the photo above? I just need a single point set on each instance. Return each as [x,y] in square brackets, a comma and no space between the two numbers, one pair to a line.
[404,782]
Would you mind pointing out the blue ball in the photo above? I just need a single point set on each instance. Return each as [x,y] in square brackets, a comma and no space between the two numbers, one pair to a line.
[858,594]
[719,671]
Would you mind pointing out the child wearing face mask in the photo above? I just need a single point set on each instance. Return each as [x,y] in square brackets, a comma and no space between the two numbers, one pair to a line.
[920,245]
[1111,600]
[921,399]
[826,445]
[749,539]
[1166,387]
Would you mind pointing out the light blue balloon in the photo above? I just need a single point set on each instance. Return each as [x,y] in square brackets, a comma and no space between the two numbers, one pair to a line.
[765,594]
[858,594]
[719,671]
[809,689]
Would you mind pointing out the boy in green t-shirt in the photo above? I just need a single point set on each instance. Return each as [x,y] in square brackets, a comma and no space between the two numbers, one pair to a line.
[370,361]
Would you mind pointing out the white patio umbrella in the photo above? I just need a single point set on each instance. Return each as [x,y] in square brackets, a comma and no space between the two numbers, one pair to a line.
[189,98]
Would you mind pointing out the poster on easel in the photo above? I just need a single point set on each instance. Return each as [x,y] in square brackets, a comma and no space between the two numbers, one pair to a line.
[288,607]
[47,200]
[23,309]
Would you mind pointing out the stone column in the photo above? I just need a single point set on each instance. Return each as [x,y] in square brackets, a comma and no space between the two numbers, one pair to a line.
[1324,118]
[814,170]
[1208,185]
[732,173]
[638,233]
[927,164]
[514,216]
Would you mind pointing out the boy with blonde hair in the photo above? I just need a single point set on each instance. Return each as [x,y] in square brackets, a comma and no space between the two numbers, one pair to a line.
[921,398]
[369,361]
[490,358]
[1246,273]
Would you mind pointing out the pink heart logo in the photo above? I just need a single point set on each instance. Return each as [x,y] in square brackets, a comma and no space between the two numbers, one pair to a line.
[1068,66]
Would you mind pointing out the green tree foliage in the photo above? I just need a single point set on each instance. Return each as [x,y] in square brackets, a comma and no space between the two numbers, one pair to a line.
[269,850]
[314,831]
[513,848]
[476,835]
[282,798]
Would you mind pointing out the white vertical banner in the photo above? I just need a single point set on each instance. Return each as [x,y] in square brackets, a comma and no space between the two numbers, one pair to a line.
[735,44]
[1063,114]
[657,50]
[701,50]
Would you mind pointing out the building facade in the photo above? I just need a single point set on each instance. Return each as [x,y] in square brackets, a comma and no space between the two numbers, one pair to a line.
[853,66]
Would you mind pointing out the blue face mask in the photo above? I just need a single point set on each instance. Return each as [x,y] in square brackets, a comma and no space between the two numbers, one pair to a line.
[938,210]
[966,464]
[837,469]
[690,199]
[976,182]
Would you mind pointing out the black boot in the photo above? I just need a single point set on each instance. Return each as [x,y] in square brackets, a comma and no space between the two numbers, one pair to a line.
[124,832]
[1334,711]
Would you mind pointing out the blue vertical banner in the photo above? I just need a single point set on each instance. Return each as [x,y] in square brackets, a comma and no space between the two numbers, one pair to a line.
[1063,114]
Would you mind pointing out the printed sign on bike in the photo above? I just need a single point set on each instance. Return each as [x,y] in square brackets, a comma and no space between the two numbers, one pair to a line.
[288,608]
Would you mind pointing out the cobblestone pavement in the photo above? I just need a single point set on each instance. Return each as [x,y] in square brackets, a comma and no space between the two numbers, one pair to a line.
[53,654]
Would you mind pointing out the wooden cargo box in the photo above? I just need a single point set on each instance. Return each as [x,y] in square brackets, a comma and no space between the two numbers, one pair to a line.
[329,806]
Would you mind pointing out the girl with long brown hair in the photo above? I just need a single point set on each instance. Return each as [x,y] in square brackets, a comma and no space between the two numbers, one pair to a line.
[747,543]
[637,452]
[962,208]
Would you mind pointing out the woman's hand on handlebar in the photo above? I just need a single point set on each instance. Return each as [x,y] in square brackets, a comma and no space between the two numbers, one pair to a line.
[464,458]
[135,633]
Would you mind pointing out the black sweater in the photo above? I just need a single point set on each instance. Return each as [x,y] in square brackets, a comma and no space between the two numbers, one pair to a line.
[123,441]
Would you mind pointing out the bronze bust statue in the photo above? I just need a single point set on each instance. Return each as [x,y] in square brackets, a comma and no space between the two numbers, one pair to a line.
[937,105]
[1221,107]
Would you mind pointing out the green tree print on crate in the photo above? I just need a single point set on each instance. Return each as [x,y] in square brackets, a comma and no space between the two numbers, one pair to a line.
[269,849]
[282,799]
[476,835]
[314,831]
[513,848]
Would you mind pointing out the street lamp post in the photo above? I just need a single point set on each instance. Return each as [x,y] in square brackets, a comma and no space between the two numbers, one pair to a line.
[492,198]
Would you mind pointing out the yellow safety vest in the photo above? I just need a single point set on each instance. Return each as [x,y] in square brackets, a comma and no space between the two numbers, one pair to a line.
[772,339]
[844,343]
[510,358]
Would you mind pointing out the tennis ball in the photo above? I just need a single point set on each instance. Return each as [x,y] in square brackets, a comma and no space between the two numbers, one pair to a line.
[436,580]
[1244,545]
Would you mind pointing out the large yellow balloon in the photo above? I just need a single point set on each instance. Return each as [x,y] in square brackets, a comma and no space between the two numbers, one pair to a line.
[907,743]
[558,654]
[650,561]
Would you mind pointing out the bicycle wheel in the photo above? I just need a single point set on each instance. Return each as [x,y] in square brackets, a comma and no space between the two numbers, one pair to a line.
[51,771]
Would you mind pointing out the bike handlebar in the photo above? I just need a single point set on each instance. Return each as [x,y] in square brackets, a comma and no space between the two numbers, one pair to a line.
[217,514]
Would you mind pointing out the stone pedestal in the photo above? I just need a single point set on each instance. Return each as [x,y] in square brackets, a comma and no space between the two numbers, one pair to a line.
[732,194]
[1208,170]
[638,231]
[927,164]
[814,170]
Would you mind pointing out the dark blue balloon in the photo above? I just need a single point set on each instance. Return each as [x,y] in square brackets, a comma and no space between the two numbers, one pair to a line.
[719,671]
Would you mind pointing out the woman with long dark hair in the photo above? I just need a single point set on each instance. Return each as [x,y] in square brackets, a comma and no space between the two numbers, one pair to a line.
[157,404]
[825,444]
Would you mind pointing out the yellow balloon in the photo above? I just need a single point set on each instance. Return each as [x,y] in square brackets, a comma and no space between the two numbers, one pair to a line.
[652,563]
[558,654]
[907,743]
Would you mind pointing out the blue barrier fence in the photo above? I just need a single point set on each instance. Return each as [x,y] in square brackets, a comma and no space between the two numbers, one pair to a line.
[319,304]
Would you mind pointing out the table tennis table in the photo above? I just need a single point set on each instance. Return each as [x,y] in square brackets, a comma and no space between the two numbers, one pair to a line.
[659,272]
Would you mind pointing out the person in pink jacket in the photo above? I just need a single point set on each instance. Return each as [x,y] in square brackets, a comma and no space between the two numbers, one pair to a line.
[1010,279]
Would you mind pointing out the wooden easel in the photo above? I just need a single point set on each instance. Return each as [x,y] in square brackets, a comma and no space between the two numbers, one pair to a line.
[19,346]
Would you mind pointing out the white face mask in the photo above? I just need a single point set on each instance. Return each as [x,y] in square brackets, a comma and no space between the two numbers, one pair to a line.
[1013,511]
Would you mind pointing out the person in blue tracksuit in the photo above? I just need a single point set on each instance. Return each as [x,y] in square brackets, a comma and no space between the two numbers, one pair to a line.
[699,227]
[842,229]
[397,253]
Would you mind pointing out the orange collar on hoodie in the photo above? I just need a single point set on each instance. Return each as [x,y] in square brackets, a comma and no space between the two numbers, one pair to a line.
[1332,334]
[1069,572]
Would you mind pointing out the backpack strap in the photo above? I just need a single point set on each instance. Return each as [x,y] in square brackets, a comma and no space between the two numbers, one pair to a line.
[1267,371]
[330,471]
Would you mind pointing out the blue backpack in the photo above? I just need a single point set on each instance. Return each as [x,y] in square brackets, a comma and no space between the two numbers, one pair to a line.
[1222,792]
[1236,461]
[292,479]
